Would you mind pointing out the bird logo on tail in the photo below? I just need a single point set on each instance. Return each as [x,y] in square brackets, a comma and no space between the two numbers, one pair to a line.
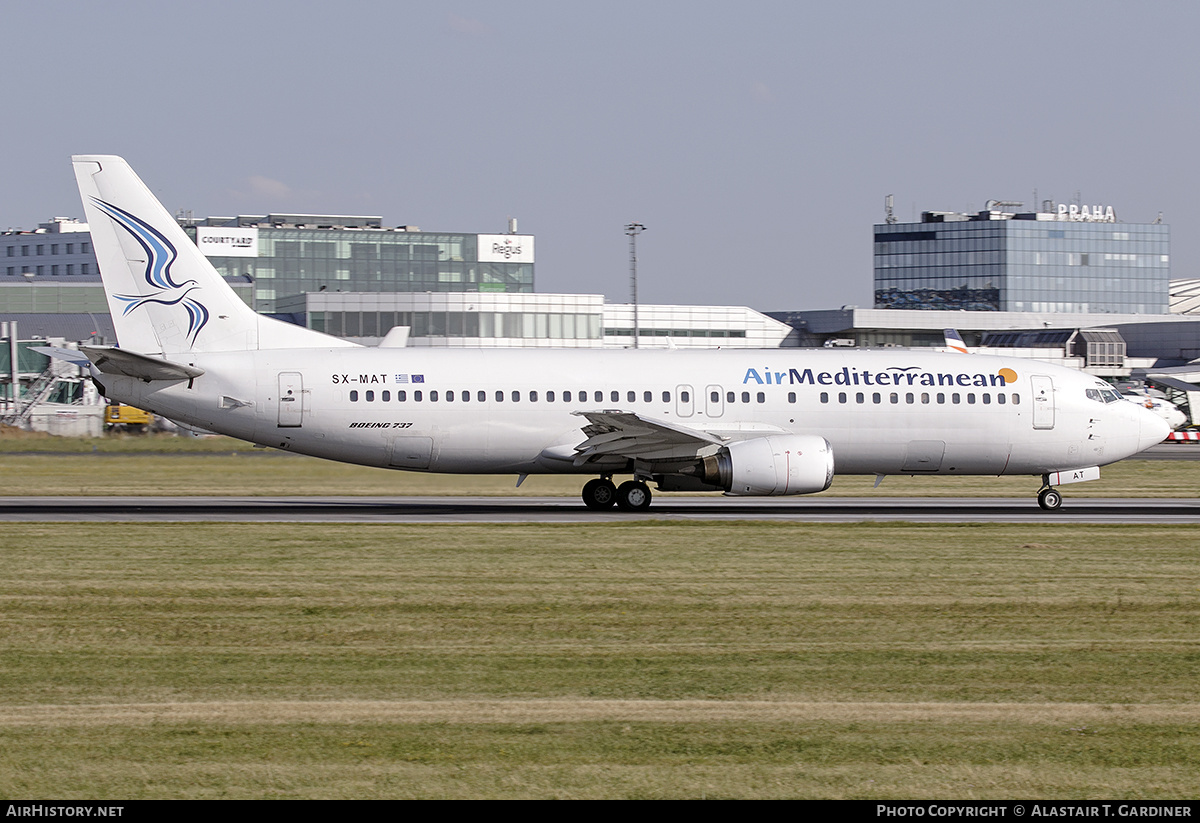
[160,255]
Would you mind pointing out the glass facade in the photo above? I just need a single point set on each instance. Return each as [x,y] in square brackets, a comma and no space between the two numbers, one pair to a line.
[510,324]
[1025,263]
[297,260]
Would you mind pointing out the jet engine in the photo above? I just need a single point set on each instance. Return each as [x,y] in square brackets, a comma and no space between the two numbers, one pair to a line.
[773,465]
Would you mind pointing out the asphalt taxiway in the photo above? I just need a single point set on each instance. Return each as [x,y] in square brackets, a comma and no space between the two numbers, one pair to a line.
[400,510]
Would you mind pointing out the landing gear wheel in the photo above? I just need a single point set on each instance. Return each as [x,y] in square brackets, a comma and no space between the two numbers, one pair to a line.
[599,493]
[633,496]
[1049,499]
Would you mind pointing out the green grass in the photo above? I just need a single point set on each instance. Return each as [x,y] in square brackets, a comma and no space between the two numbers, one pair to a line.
[627,660]
[249,472]
[18,441]
[165,465]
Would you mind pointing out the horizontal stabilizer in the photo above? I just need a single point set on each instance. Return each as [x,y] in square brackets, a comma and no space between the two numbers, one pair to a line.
[72,356]
[142,366]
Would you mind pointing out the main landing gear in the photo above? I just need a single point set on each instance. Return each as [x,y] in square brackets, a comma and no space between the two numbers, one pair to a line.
[1049,499]
[630,496]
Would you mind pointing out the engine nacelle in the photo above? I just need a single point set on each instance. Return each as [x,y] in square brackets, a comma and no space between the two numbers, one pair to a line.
[774,465]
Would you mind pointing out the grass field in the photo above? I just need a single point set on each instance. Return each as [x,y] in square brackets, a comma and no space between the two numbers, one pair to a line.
[222,466]
[624,660]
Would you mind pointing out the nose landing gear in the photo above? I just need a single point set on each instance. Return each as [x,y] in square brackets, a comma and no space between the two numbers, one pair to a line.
[1049,499]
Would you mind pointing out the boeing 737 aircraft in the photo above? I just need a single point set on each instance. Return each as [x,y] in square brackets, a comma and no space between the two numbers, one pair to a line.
[746,422]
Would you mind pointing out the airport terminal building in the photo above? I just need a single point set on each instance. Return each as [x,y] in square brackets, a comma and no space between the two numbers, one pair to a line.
[1063,259]
[268,257]
[289,254]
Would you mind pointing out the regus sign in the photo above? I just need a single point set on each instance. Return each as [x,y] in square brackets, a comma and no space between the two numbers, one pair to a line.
[505,248]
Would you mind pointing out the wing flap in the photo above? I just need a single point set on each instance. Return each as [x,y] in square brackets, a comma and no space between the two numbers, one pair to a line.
[628,434]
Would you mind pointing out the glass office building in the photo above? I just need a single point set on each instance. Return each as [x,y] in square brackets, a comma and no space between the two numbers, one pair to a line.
[1059,260]
[286,255]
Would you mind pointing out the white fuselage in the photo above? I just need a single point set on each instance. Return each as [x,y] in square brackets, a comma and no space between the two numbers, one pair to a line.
[512,410]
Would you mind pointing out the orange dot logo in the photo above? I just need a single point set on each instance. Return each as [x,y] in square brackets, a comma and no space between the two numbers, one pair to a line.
[1009,376]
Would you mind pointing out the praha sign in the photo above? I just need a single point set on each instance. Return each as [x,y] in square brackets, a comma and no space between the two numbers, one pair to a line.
[1086,214]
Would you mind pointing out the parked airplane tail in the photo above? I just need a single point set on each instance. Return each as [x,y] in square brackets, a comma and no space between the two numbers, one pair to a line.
[954,341]
[163,294]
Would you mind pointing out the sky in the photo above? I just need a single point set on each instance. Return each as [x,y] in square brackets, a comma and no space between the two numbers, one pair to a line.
[755,141]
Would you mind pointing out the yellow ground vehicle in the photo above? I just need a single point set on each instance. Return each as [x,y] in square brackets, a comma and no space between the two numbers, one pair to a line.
[120,417]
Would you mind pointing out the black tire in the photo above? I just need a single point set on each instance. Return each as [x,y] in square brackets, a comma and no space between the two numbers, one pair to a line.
[633,496]
[1050,500]
[599,494]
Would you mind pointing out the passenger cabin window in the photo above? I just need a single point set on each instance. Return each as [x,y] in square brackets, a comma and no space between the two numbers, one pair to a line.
[417,396]
[647,397]
[714,397]
[761,398]
[745,397]
[499,395]
[401,396]
[533,396]
[353,396]
[516,396]
[370,396]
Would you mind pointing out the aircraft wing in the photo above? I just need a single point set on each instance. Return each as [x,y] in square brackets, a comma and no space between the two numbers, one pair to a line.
[627,434]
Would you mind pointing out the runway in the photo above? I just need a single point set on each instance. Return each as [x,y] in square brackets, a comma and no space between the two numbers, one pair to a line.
[476,510]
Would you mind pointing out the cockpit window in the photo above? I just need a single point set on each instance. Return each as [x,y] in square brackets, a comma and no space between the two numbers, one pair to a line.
[1103,395]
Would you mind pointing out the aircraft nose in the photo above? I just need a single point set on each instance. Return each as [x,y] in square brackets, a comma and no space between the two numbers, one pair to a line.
[1154,429]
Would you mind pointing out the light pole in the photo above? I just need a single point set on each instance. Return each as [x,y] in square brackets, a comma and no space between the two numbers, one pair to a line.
[28,275]
[633,230]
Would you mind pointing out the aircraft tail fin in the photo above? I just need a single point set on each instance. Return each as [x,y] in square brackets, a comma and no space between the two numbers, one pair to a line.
[954,341]
[163,293]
